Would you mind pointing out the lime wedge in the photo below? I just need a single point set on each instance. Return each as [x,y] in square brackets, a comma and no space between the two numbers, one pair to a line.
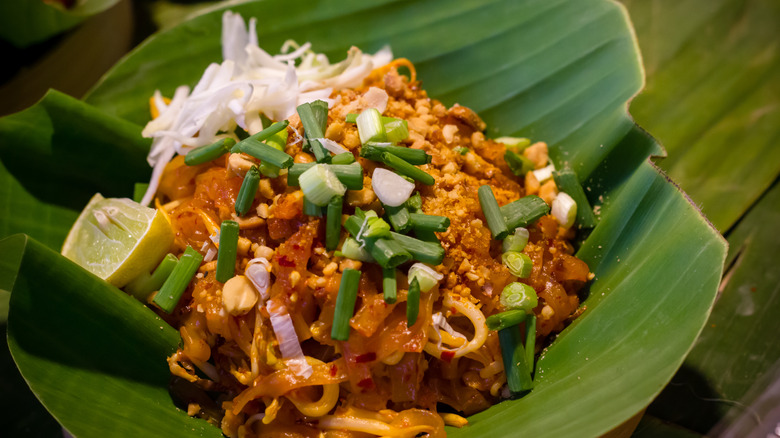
[118,239]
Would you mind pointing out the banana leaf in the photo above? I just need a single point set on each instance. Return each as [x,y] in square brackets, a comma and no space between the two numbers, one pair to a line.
[561,71]
[26,22]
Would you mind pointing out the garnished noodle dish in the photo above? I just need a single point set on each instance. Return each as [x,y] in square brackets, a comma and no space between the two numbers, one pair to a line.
[364,260]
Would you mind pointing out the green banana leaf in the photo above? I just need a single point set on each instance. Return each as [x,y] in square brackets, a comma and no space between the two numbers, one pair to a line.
[26,22]
[561,71]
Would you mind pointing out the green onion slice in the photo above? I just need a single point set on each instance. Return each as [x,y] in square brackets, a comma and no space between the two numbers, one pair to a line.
[431,253]
[567,182]
[502,320]
[518,375]
[412,302]
[314,118]
[519,296]
[343,158]
[351,175]
[171,291]
[429,222]
[145,284]
[390,188]
[405,168]
[248,191]
[495,220]
[426,277]
[519,264]
[370,126]
[374,151]
[351,249]
[524,211]
[516,241]
[211,152]
[319,184]
[530,342]
[228,249]
[345,304]
[333,223]
[399,218]
[389,285]
[396,130]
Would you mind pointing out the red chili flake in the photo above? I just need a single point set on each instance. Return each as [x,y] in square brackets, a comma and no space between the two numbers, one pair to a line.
[333,370]
[447,356]
[453,310]
[367,357]
[286,262]
[296,246]
[366,383]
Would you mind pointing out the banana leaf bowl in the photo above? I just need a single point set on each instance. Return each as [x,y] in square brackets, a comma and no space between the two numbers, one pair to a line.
[562,71]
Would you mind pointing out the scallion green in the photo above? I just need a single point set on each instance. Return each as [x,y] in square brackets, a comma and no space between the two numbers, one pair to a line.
[530,342]
[310,209]
[518,263]
[176,283]
[228,249]
[260,136]
[345,304]
[265,153]
[566,181]
[405,168]
[388,253]
[207,153]
[412,302]
[389,285]
[399,218]
[319,184]
[430,253]
[429,222]
[147,283]
[518,376]
[502,320]
[351,118]
[376,227]
[277,141]
[343,158]
[396,130]
[351,175]
[425,275]
[374,152]
[370,126]
[333,223]
[518,296]
[351,249]
[495,220]
[518,164]
[524,211]
[314,118]
[516,241]
[248,190]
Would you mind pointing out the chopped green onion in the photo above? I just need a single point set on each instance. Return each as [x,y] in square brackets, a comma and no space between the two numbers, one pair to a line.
[518,164]
[429,222]
[207,153]
[404,168]
[461,150]
[412,302]
[319,184]
[425,275]
[516,241]
[228,248]
[524,211]
[343,158]
[495,220]
[518,376]
[310,209]
[345,304]
[246,195]
[431,253]
[139,190]
[147,283]
[351,249]
[241,134]
[514,142]
[519,264]
[396,130]
[314,118]
[370,126]
[399,218]
[277,141]
[351,175]
[351,118]
[530,342]
[171,291]
[426,235]
[567,182]
[519,296]
[544,173]
[388,253]
[391,189]
[333,223]
[564,209]
[389,285]
[376,227]
[265,153]
[260,136]
[374,151]
[502,320]
[414,203]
